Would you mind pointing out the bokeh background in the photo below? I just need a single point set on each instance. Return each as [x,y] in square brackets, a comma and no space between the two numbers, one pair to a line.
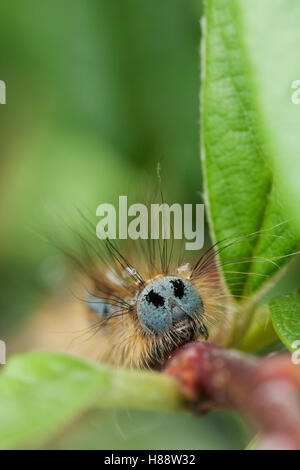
[98,92]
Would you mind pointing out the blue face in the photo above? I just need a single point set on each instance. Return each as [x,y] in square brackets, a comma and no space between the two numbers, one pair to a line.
[167,302]
[100,306]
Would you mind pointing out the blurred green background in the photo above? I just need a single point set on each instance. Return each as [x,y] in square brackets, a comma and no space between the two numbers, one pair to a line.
[98,92]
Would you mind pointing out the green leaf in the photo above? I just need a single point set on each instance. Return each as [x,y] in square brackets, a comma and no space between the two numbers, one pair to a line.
[240,191]
[41,392]
[273,41]
[285,311]
[260,332]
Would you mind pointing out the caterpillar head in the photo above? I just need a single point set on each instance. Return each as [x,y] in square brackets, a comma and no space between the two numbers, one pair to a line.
[141,317]
[168,304]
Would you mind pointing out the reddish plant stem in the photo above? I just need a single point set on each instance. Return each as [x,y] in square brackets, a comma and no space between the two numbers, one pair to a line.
[266,391]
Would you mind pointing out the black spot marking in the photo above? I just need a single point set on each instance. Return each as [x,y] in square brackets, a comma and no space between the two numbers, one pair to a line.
[179,289]
[155,299]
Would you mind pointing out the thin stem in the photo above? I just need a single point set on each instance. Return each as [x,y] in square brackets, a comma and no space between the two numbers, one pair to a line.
[266,391]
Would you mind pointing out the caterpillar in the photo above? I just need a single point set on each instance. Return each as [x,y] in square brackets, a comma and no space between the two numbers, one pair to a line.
[143,316]
[146,300]
[143,300]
